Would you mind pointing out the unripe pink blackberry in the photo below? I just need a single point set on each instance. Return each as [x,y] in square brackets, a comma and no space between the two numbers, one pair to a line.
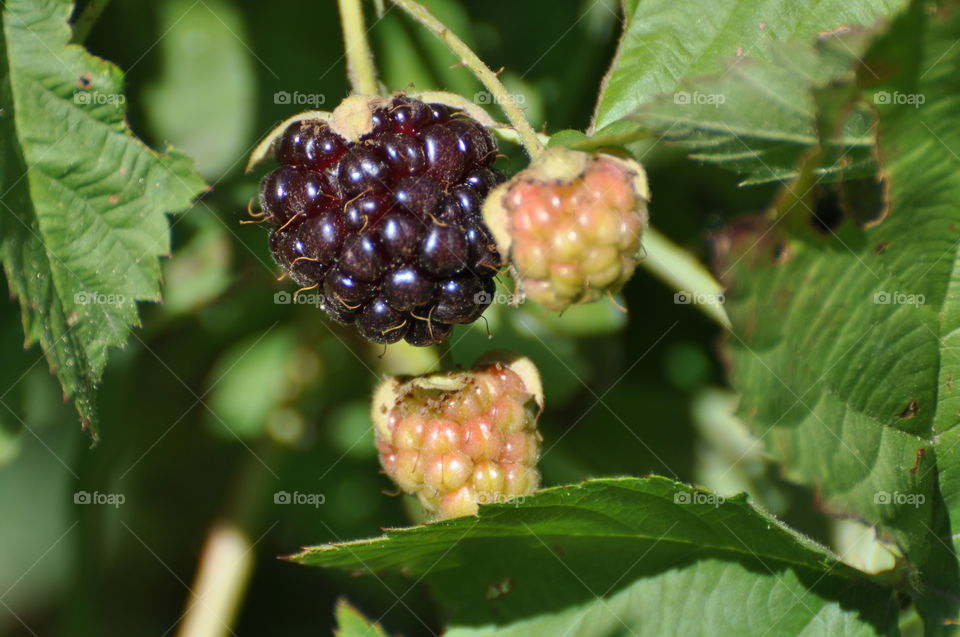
[571,224]
[460,439]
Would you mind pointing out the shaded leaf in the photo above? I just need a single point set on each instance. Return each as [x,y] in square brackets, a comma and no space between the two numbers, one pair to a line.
[843,341]
[761,118]
[83,218]
[352,623]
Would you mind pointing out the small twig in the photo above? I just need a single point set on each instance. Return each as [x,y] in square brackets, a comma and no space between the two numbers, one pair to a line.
[528,136]
[86,19]
[360,68]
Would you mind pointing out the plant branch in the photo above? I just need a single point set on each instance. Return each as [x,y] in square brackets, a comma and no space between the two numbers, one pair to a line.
[86,19]
[356,46]
[528,136]
[226,563]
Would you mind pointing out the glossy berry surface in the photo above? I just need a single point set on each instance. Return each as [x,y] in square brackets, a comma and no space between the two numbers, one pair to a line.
[389,229]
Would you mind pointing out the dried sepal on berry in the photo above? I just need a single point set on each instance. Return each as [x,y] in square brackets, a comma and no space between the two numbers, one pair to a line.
[460,439]
[351,118]
[571,224]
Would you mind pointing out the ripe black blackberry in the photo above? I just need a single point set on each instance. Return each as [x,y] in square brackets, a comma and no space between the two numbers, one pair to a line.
[388,227]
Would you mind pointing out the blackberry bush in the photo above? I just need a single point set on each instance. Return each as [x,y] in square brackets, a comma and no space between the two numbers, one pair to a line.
[379,207]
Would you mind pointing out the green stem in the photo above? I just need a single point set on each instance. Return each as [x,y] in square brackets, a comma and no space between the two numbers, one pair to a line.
[227,558]
[444,355]
[86,19]
[683,272]
[528,136]
[360,69]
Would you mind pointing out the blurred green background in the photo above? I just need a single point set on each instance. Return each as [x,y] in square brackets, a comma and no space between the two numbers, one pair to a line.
[225,398]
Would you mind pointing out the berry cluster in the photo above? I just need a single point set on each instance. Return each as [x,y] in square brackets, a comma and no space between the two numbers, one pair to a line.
[461,439]
[571,224]
[389,226]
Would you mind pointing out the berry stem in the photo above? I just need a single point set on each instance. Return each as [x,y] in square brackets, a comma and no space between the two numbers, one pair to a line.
[360,68]
[444,355]
[528,137]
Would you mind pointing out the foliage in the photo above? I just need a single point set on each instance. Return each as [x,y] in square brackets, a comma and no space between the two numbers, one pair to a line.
[236,407]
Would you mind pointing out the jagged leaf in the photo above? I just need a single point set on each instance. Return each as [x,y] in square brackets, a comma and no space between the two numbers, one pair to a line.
[843,340]
[82,219]
[624,556]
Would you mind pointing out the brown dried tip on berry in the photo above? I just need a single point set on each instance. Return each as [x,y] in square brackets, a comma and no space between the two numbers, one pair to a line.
[460,439]
[571,224]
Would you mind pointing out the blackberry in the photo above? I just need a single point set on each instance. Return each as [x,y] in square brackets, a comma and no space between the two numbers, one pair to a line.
[571,224]
[381,210]
[460,439]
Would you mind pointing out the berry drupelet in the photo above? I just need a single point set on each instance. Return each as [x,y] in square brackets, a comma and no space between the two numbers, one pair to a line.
[460,439]
[389,226]
[571,224]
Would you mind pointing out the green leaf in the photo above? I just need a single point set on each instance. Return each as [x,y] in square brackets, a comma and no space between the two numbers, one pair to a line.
[843,341]
[83,218]
[761,118]
[352,623]
[665,41]
[583,320]
[217,137]
[624,554]
[567,137]
[250,381]
[201,270]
